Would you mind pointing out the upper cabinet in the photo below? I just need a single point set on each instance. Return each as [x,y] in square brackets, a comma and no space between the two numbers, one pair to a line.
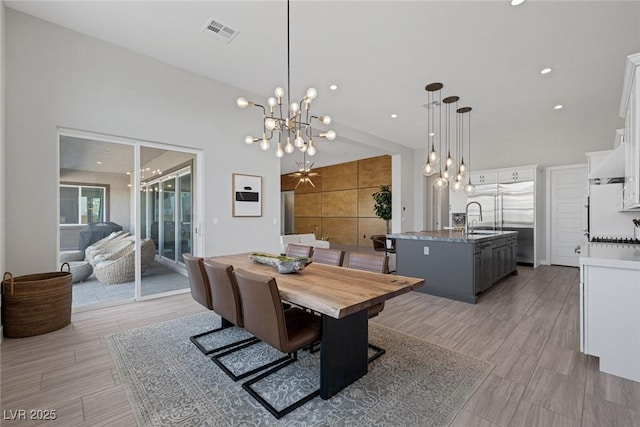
[630,111]
[484,177]
[516,175]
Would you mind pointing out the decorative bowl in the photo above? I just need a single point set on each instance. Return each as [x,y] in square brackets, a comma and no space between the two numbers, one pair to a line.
[284,264]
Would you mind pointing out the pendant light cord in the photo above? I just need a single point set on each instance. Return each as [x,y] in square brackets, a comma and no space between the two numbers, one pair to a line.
[288,63]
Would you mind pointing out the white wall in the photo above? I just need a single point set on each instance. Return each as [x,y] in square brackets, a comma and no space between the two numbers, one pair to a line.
[2,144]
[402,176]
[56,77]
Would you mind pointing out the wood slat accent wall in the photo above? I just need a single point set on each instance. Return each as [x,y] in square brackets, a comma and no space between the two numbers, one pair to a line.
[340,207]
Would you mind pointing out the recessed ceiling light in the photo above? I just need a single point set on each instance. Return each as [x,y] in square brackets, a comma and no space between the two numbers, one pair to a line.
[98,162]
[517,2]
[333,87]
[546,70]
[558,107]
[393,116]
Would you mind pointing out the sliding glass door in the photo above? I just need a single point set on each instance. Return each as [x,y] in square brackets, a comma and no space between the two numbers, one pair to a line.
[141,190]
[166,206]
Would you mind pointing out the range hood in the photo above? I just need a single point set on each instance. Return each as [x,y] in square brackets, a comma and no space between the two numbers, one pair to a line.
[610,167]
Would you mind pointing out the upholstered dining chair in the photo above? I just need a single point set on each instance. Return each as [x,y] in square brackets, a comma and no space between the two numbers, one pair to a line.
[227,303]
[375,264]
[299,250]
[287,331]
[201,292]
[328,256]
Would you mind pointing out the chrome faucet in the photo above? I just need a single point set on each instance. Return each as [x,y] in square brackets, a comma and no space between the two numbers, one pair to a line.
[466,220]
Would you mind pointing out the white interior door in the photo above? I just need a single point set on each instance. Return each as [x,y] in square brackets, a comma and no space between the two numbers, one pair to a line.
[568,213]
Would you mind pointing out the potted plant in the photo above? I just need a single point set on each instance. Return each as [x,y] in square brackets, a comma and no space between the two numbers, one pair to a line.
[382,206]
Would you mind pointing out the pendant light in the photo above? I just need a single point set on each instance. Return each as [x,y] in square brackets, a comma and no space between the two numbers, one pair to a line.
[294,120]
[462,168]
[433,157]
[469,188]
[449,164]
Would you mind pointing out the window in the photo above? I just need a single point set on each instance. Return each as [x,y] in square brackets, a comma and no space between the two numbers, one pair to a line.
[82,204]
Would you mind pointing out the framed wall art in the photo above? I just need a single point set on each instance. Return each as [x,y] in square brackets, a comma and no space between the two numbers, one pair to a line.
[247,195]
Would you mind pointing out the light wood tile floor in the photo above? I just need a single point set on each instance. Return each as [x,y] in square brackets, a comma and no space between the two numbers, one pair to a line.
[527,325]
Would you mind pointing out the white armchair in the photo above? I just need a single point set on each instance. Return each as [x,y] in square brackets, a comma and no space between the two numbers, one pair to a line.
[308,239]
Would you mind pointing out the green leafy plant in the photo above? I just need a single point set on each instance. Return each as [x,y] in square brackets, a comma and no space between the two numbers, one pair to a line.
[382,207]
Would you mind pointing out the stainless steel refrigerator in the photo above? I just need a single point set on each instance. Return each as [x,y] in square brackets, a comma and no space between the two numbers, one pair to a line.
[507,207]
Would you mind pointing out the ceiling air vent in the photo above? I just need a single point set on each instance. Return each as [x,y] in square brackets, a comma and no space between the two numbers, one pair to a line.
[219,31]
[432,104]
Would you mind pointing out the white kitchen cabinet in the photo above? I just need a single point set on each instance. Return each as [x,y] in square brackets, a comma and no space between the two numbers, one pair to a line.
[483,177]
[516,175]
[629,109]
[610,307]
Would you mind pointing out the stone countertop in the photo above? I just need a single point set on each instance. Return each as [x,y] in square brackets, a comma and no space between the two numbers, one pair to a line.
[454,236]
[614,255]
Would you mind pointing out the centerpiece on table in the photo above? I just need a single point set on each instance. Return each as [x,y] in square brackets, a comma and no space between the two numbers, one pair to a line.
[284,264]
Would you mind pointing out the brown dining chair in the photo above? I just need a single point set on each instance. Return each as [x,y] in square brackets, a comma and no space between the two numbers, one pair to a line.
[287,331]
[382,244]
[328,256]
[226,302]
[375,264]
[201,292]
[299,250]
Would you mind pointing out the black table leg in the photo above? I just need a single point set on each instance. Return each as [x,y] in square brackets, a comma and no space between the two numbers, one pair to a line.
[343,352]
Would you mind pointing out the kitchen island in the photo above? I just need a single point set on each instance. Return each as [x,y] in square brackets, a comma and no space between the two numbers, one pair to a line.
[610,306]
[455,264]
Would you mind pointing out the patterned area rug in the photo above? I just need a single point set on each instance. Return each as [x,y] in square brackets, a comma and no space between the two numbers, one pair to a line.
[170,382]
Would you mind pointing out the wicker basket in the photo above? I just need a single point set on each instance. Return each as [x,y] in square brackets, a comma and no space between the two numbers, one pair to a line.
[35,304]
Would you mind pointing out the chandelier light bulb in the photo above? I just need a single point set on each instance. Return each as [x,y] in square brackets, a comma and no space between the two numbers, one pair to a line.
[428,169]
[270,123]
[264,144]
[449,160]
[295,107]
[311,150]
[330,135]
[469,188]
[457,186]
[325,119]
[279,92]
[462,168]
[304,148]
[279,151]
[249,139]
[288,148]
[312,93]
[272,101]
[440,183]
[433,156]
[242,102]
[298,142]
[445,174]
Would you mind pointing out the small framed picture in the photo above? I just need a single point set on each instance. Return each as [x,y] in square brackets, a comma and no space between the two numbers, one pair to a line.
[247,195]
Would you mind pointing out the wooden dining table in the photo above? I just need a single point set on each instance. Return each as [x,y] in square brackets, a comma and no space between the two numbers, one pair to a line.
[342,296]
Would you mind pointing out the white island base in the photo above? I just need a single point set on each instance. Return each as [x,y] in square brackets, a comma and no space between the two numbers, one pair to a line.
[610,307]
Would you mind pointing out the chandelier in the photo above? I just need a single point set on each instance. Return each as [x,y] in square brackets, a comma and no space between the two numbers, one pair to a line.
[446,167]
[291,123]
[304,173]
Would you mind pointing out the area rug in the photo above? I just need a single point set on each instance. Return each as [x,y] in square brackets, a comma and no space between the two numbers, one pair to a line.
[170,382]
